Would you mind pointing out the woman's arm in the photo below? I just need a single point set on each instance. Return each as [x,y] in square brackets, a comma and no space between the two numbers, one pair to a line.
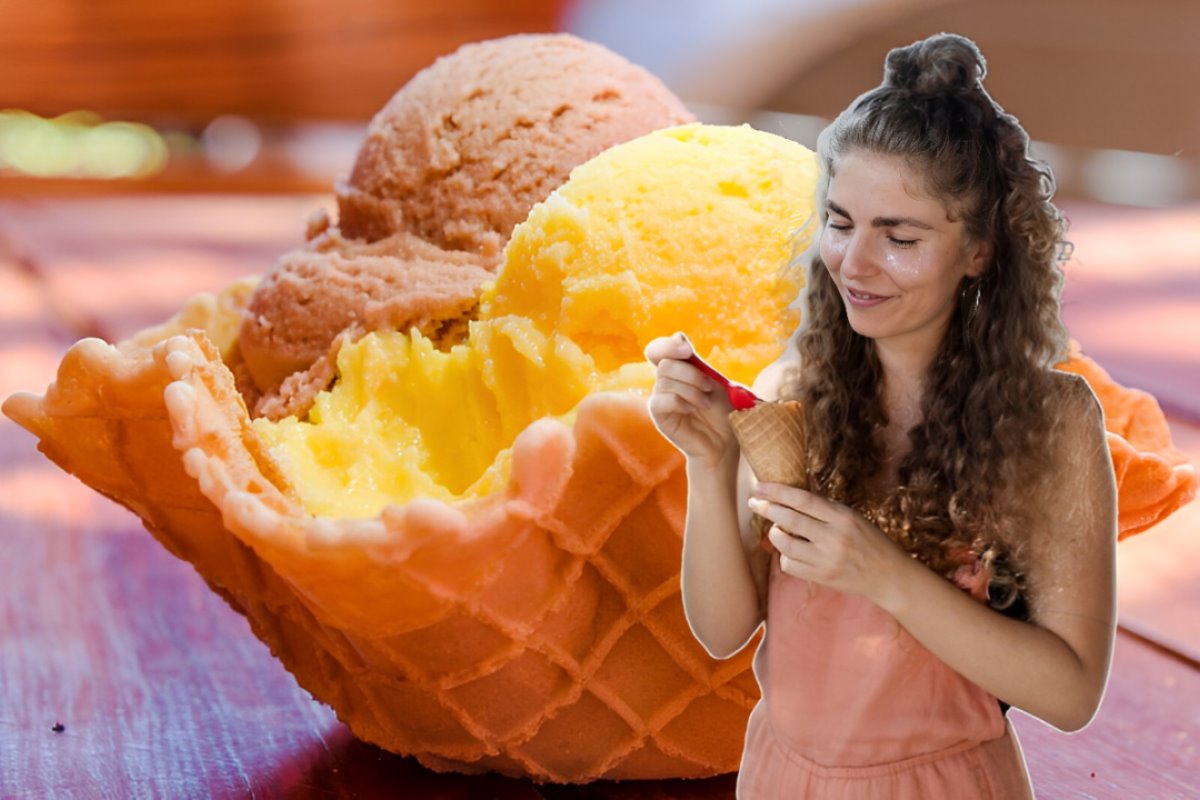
[724,574]
[719,594]
[1056,666]
[723,582]
[722,609]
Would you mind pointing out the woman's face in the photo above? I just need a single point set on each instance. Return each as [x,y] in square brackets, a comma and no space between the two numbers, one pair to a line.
[893,252]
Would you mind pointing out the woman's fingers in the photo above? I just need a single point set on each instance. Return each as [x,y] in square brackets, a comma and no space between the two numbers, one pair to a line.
[688,417]
[674,347]
[669,355]
[843,550]
[681,371]
[684,405]
[799,500]
[689,410]
[669,404]
[681,388]
[796,555]
[788,518]
[696,395]
[789,544]
[793,534]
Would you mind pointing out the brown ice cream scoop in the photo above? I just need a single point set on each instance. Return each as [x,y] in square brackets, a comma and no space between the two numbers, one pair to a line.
[313,295]
[461,153]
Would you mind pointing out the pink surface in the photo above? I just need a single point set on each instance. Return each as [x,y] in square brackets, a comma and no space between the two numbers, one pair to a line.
[1132,298]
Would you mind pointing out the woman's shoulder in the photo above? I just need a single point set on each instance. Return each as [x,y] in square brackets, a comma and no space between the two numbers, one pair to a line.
[1070,386]
[1074,506]
[1080,417]
[1074,395]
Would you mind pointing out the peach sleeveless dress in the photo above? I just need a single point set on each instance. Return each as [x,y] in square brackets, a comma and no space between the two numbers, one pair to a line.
[854,708]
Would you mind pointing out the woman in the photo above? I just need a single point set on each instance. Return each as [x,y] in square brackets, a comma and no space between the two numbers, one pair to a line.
[954,554]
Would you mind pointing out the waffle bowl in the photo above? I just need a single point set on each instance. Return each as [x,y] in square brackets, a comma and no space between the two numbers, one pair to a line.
[514,607]
[538,632]
[1154,479]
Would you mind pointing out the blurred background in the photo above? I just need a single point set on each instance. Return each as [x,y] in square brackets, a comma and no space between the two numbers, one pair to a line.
[150,150]
[273,95]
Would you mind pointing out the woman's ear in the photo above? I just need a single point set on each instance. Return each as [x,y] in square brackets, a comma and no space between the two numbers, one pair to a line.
[979,257]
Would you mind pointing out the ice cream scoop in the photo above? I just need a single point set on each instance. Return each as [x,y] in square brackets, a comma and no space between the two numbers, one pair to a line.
[450,165]
[627,250]
[471,143]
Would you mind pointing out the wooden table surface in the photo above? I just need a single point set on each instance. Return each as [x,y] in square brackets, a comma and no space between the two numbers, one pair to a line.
[123,675]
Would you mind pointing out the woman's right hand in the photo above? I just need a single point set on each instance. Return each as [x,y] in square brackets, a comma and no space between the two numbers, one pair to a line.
[687,407]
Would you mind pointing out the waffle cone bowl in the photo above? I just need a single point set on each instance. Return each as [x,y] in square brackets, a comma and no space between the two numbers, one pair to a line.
[536,632]
[472,553]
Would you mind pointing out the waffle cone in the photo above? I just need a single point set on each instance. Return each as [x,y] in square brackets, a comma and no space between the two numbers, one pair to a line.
[535,632]
[771,436]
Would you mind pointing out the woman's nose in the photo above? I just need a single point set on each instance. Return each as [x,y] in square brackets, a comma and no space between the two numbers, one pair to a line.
[859,258]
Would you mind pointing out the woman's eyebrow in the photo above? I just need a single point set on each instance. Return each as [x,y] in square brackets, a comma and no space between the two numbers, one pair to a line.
[836,209]
[881,222]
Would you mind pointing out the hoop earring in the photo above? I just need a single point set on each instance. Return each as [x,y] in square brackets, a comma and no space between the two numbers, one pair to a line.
[978,292]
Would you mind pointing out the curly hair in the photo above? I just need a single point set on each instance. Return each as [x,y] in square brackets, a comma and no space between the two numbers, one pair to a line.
[989,401]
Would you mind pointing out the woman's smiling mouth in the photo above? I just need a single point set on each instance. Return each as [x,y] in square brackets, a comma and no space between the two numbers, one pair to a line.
[863,299]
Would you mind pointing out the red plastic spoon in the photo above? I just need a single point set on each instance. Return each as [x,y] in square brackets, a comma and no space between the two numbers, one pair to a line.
[740,397]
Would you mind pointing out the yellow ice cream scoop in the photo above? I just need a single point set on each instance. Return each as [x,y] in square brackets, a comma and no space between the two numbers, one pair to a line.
[690,228]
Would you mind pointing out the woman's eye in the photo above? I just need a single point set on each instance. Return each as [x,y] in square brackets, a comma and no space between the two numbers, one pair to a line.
[902,242]
[839,226]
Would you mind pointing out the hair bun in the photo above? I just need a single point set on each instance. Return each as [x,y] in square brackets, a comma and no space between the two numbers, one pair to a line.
[943,64]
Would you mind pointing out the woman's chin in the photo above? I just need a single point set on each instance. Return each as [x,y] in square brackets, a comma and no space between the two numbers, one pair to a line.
[864,327]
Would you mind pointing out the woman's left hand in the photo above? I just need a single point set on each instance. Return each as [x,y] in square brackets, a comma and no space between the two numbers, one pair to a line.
[825,542]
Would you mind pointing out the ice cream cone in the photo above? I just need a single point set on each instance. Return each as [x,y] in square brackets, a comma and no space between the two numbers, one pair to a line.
[771,436]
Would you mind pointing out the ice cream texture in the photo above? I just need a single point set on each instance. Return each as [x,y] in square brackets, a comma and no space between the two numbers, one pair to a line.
[691,227]
[449,166]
